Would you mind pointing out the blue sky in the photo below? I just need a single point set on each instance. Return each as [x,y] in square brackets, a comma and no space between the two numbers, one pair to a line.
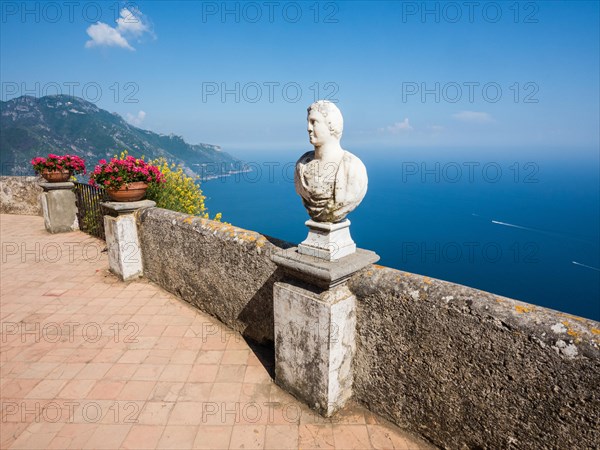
[502,75]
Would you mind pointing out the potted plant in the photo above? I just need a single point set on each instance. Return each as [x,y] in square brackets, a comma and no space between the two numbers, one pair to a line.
[56,169]
[125,179]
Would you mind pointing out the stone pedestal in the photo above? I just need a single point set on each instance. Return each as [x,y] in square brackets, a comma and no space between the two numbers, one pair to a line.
[59,207]
[315,321]
[329,241]
[120,228]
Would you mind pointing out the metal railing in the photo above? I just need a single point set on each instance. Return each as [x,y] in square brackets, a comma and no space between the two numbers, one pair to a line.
[89,210]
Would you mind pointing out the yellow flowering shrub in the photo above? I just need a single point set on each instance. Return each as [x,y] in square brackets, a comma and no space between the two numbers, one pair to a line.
[179,192]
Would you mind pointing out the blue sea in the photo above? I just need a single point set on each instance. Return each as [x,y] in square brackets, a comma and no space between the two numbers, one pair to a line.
[510,223]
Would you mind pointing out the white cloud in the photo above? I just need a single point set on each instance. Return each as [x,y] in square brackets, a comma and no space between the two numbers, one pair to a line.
[130,24]
[104,35]
[473,117]
[137,119]
[398,127]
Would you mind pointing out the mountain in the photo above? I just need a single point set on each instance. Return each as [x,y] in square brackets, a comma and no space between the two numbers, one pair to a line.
[31,126]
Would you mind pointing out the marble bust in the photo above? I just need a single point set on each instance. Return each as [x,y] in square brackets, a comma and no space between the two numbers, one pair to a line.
[331,181]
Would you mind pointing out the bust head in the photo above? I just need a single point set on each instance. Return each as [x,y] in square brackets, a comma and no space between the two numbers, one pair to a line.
[331,115]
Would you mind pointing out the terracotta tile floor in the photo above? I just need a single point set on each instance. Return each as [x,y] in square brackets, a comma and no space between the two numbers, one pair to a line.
[88,361]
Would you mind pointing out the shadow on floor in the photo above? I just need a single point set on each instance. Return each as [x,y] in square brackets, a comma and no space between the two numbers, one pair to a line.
[265,354]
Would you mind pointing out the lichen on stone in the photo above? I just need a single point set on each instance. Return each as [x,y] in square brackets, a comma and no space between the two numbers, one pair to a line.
[524,309]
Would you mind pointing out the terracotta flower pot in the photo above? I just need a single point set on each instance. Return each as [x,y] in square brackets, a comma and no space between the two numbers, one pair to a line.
[131,192]
[56,176]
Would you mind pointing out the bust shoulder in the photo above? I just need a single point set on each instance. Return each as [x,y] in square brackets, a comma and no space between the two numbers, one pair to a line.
[306,158]
[353,165]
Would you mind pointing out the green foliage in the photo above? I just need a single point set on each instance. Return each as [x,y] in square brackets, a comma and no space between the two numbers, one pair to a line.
[179,192]
[30,127]
[91,220]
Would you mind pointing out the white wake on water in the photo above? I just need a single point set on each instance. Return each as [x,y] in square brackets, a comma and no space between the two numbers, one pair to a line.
[546,232]
[586,266]
[517,226]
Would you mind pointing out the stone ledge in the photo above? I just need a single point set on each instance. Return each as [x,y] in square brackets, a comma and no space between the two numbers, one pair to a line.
[322,273]
[56,186]
[120,208]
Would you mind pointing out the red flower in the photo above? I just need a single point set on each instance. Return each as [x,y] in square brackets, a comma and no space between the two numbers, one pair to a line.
[71,163]
[118,172]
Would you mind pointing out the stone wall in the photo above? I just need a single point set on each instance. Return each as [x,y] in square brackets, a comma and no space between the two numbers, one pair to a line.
[469,369]
[20,195]
[223,270]
[461,367]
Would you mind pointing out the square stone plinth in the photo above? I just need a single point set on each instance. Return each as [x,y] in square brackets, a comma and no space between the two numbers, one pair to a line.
[59,207]
[315,344]
[330,241]
[120,227]
[124,255]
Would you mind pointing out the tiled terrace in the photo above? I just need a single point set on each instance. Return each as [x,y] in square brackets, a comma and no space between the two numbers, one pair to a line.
[88,361]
